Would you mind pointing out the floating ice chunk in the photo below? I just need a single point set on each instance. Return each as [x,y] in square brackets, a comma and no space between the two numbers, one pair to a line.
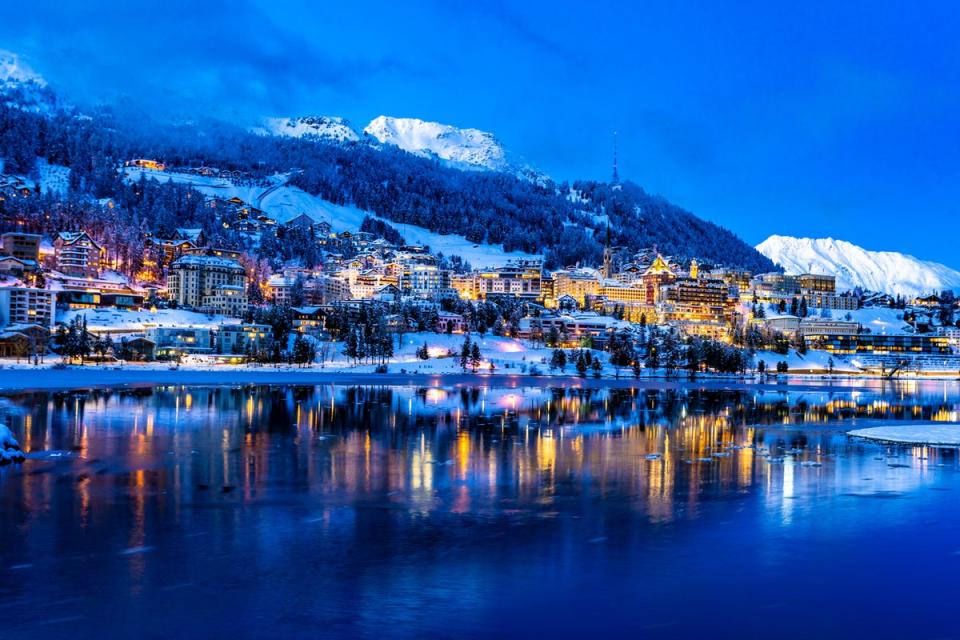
[132,551]
[9,447]
[942,434]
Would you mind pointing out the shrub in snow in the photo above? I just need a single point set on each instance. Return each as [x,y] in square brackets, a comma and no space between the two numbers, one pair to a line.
[9,447]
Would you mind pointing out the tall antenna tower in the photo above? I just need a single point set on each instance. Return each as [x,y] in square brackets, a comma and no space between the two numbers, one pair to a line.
[616,174]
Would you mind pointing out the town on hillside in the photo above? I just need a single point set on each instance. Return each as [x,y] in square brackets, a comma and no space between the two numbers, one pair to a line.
[370,299]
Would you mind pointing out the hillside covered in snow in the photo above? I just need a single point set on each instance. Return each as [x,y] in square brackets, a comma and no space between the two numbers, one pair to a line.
[885,271]
[21,87]
[331,128]
[461,148]
[405,171]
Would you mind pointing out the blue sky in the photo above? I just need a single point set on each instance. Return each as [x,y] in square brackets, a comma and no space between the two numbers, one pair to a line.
[815,119]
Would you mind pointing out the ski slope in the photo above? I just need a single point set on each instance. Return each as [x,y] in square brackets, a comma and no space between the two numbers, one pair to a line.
[283,202]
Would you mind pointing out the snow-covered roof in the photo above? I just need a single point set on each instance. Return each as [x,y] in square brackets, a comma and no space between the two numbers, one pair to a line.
[207,261]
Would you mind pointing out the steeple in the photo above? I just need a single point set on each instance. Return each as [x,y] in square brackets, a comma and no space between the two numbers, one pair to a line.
[607,252]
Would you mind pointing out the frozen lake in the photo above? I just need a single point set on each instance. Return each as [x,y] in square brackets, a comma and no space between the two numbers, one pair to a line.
[461,512]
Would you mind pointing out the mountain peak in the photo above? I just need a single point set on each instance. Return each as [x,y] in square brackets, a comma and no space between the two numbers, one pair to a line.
[854,266]
[332,128]
[462,148]
[13,70]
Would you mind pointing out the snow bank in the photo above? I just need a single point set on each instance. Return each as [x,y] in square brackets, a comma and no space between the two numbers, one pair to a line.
[9,447]
[946,434]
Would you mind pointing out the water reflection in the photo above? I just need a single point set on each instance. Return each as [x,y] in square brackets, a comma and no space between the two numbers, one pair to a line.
[462,449]
[167,480]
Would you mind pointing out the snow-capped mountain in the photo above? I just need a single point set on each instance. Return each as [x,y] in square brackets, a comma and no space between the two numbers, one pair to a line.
[327,127]
[13,70]
[462,148]
[886,271]
[23,87]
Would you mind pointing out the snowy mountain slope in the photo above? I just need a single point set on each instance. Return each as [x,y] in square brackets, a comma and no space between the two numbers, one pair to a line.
[14,71]
[886,271]
[22,87]
[326,127]
[284,202]
[462,148]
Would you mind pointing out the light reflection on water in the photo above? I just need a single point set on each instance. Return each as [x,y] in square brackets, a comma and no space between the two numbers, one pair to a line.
[457,511]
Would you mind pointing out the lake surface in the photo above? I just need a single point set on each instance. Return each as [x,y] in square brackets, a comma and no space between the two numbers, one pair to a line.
[459,512]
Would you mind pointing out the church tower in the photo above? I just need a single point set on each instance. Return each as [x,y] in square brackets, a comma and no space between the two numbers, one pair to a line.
[607,249]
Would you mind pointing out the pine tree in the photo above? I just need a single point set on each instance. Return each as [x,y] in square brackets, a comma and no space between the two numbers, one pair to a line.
[297,292]
[475,357]
[581,364]
[597,367]
[465,353]
[558,359]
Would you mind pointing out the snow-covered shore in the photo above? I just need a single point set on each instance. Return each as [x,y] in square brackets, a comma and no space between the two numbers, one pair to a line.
[503,361]
[29,377]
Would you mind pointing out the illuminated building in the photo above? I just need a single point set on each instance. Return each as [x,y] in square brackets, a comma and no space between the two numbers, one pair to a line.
[76,254]
[308,320]
[450,322]
[172,341]
[144,163]
[25,305]
[208,283]
[24,246]
[659,273]
[871,343]
[520,278]
[579,285]
[236,338]
[424,280]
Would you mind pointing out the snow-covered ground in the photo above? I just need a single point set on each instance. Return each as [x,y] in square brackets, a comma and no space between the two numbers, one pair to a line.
[52,178]
[124,321]
[480,256]
[284,202]
[933,434]
[507,355]
[812,362]
[885,271]
[879,320]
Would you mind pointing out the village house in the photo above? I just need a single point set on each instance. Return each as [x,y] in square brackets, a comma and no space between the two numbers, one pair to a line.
[77,254]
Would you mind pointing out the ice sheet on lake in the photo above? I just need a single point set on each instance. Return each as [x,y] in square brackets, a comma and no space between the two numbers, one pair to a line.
[938,434]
